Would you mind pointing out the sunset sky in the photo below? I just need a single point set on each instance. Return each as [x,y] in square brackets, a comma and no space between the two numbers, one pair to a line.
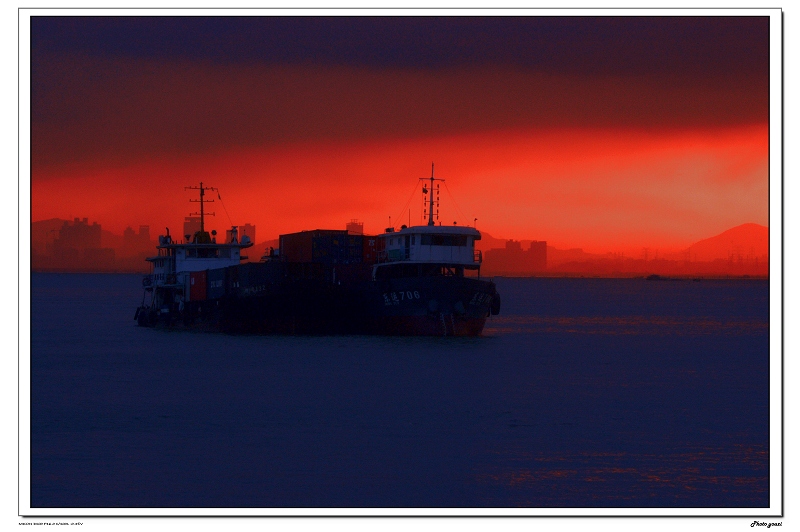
[606,133]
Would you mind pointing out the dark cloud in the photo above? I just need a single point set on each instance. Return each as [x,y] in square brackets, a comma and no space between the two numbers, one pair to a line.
[122,110]
[610,45]
[127,88]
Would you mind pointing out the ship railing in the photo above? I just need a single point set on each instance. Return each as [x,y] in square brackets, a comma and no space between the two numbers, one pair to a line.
[383,256]
[162,279]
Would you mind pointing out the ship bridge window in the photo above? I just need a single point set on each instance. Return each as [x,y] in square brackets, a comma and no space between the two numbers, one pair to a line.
[201,253]
[444,240]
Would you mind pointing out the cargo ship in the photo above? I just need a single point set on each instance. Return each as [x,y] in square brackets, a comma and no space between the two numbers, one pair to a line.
[420,280]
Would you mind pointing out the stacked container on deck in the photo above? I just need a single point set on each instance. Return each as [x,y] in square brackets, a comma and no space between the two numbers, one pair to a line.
[332,255]
[323,246]
[197,285]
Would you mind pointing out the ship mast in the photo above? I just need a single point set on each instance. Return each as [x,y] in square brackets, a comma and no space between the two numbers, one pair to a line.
[201,201]
[430,201]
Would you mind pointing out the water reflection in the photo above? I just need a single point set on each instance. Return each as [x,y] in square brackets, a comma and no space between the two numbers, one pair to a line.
[700,477]
[625,325]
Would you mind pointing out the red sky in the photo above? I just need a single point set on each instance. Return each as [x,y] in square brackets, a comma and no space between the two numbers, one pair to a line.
[610,159]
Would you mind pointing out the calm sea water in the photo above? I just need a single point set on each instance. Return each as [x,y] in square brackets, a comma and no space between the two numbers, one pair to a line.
[583,392]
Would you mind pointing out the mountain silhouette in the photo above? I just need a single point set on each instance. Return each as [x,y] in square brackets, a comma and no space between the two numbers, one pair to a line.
[741,242]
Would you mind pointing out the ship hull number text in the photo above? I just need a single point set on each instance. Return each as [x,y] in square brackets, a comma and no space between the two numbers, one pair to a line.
[395,298]
[480,299]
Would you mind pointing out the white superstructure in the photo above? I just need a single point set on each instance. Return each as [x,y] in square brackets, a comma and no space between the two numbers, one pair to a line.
[450,248]
[433,243]
[175,259]
[170,280]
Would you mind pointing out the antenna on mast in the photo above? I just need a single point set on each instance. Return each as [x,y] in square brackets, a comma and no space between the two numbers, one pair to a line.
[201,201]
[430,199]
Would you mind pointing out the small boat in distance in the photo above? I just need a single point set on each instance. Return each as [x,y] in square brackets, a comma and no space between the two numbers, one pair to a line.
[421,280]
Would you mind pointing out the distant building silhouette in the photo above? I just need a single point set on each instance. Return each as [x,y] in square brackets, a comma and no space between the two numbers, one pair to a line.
[538,255]
[78,235]
[136,243]
[78,246]
[512,260]
[248,230]
[98,258]
[355,227]
[191,225]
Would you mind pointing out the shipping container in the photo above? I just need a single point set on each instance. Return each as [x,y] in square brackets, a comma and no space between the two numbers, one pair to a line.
[339,248]
[197,285]
[260,274]
[372,245]
[299,247]
[296,247]
[351,274]
[306,271]
[323,246]
[355,249]
[216,283]
[232,281]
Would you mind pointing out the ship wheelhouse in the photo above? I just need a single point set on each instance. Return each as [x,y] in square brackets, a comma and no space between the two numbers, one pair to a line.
[171,280]
[179,270]
[428,250]
[175,259]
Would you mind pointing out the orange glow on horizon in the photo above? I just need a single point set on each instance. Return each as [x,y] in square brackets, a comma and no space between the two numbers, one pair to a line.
[598,189]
